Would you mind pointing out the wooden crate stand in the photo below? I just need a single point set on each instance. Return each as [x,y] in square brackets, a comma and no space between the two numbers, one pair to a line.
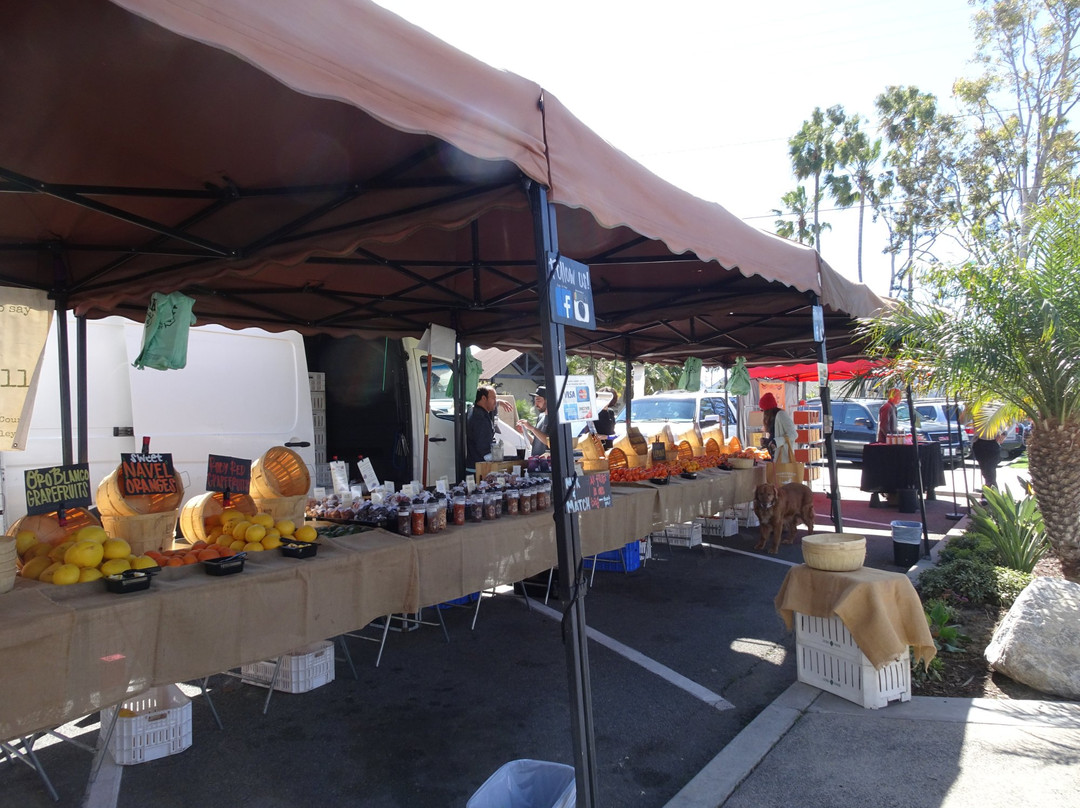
[828,658]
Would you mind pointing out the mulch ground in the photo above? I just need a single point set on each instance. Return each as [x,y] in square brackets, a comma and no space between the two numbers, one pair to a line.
[966,673]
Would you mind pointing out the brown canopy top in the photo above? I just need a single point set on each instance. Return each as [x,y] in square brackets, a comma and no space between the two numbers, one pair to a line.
[335,169]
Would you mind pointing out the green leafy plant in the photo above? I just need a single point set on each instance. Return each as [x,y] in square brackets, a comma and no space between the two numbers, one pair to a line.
[1014,528]
[946,634]
[1009,584]
[964,578]
[972,546]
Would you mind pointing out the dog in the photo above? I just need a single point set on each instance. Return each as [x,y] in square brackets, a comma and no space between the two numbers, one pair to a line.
[779,508]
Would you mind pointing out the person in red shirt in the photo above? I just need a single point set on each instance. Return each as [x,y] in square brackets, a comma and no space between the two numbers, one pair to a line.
[886,424]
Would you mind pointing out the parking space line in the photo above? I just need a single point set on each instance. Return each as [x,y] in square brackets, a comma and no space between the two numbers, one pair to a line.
[757,555]
[649,664]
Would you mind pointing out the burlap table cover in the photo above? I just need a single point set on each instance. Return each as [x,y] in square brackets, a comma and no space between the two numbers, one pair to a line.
[880,609]
[68,651]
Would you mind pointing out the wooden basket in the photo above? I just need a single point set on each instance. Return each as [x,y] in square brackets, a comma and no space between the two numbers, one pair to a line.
[741,462]
[47,528]
[634,447]
[592,448]
[712,448]
[198,509]
[8,565]
[111,500]
[291,508]
[280,472]
[147,531]
[834,552]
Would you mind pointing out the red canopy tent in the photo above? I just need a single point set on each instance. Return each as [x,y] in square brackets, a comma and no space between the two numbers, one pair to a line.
[809,372]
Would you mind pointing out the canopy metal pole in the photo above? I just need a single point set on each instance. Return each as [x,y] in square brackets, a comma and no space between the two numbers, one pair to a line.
[960,448]
[572,582]
[826,417]
[918,471]
[66,441]
[82,399]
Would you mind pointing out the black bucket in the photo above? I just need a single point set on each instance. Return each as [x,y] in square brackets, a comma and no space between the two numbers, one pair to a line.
[908,502]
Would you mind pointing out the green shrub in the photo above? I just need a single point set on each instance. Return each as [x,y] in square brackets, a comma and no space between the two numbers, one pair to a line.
[1010,583]
[971,582]
[972,546]
[1014,528]
[962,580]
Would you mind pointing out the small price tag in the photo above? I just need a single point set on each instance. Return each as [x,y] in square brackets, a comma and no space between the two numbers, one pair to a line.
[470,484]
[442,485]
[339,473]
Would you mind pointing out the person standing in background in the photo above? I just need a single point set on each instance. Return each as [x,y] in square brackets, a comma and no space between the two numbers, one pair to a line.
[987,453]
[605,420]
[539,430]
[886,421]
[780,429]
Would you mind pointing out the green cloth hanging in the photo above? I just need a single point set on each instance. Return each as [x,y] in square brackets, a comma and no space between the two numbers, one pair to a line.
[739,380]
[165,333]
[473,368]
[690,379]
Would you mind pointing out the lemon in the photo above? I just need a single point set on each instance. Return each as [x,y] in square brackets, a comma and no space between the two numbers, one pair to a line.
[92,533]
[85,553]
[272,532]
[305,533]
[33,568]
[116,548]
[230,514]
[254,533]
[237,545]
[89,575]
[143,562]
[270,542]
[286,527]
[66,574]
[264,519]
[114,566]
[24,540]
[57,552]
[47,574]
[253,547]
[239,528]
[39,550]
[225,539]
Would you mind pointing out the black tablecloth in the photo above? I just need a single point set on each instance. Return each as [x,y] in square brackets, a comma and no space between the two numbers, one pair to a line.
[890,467]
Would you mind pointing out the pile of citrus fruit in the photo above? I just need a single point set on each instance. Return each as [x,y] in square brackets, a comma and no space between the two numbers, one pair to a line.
[86,556]
[236,532]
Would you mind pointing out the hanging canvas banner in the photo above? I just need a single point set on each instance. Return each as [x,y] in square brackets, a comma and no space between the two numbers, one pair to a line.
[25,317]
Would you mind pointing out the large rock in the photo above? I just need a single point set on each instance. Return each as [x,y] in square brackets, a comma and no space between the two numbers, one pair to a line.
[1038,642]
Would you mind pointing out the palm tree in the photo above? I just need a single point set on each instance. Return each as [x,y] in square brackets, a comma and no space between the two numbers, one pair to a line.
[794,223]
[1010,332]
[813,153]
[859,156]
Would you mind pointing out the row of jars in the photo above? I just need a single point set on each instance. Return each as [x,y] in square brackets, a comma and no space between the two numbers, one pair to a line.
[416,519]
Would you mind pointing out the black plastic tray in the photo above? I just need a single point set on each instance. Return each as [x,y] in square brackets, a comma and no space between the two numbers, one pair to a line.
[295,548]
[128,581]
[224,566]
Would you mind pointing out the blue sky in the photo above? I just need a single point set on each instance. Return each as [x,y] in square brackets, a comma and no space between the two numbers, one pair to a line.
[706,93]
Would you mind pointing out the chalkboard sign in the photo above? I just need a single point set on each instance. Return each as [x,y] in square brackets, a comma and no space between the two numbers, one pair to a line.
[588,492]
[49,489]
[232,474]
[143,474]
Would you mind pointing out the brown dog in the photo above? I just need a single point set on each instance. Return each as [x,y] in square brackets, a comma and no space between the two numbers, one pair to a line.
[778,508]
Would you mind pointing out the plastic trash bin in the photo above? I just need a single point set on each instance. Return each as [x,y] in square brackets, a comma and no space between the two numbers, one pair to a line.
[907,538]
[528,784]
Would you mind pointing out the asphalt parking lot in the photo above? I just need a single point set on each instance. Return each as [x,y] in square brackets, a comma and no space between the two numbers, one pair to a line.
[685,652]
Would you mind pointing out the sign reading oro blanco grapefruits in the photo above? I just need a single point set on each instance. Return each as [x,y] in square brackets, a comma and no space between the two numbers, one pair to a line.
[50,488]
[147,474]
[228,474]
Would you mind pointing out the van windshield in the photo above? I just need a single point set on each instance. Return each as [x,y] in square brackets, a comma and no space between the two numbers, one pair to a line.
[661,409]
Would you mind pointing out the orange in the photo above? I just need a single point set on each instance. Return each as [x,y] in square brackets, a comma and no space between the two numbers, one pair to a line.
[189,558]
[206,555]
[174,562]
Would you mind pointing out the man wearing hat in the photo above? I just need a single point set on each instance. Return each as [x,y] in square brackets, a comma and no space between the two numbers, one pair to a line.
[539,431]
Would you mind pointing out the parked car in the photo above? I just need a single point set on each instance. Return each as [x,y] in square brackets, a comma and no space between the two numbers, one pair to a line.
[680,410]
[855,423]
[1013,446]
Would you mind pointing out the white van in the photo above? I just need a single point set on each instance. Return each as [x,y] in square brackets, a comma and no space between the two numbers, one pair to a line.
[241,393]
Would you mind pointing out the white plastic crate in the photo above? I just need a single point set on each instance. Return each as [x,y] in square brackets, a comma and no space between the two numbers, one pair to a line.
[160,727]
[827,657]
[316,381]
[318,418]
[320,438]
[744,512]
[686,534]
[301,670]
[719,526]
[318,401]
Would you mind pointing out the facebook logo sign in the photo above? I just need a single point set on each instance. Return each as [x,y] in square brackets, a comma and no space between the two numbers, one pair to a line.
[571,294]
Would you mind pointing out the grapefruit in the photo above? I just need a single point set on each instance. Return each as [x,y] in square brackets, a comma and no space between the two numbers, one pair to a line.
[114,566]
[92,533]
[85,553]
[33,568]
[116,549]
[66,574]
[305,533]
[24,540]
[286,527]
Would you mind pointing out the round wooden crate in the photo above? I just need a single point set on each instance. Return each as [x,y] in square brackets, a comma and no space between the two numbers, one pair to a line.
[280,472]
[8,564]
[834,552]
[712,448]
[147,531]
[47,527]
[111,500]
[291,508]
[208,507]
